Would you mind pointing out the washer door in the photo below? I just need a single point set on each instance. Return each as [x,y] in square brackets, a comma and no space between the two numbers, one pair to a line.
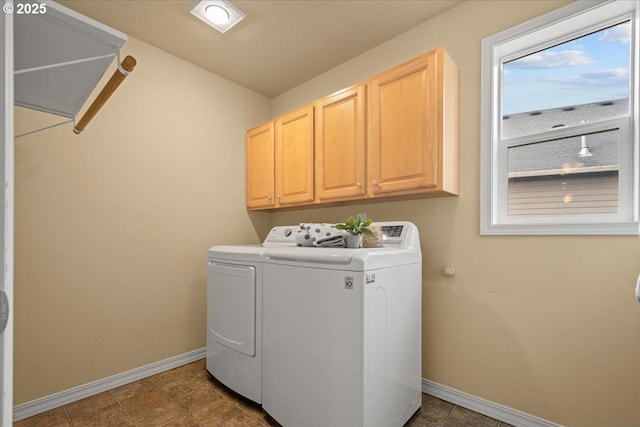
[231,306]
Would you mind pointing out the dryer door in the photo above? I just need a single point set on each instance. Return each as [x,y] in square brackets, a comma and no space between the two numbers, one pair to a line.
[231,306]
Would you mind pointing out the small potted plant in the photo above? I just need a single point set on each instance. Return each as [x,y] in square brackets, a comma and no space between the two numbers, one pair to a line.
[355,227]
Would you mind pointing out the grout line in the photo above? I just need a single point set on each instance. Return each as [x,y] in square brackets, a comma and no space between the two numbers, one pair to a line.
[123,408]
[185,410]
[66,413]
[237,402]
[449,415]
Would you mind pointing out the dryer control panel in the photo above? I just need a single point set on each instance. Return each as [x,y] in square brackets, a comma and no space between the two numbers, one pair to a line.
[281,235]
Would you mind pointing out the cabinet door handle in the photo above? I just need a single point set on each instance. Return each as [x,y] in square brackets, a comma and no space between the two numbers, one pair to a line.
[358,185]
[269,197]
[374,183]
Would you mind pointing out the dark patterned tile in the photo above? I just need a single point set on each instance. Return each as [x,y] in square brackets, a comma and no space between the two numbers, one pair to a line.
[180,386]
[252,409]
[163,414]
[197,367]
[170,376]
[461,417]
[216,413]
[264,419]
[210,382]
[134,388]
[183,421]
[242,420]
[53,418]
[189,396]
[90,406]
[203,375]
[197,398]
[112,416]
[144,401]
[434,412]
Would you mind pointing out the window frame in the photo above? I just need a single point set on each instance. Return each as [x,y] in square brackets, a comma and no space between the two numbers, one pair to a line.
[564,24]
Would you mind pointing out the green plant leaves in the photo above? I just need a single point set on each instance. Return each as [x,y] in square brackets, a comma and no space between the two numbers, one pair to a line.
[356,225]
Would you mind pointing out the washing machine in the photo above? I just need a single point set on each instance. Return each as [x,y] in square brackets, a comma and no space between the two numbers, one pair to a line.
[342,333]
[234,312]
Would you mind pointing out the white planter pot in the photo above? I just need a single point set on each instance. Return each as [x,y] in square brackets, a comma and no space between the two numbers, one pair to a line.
[354,241]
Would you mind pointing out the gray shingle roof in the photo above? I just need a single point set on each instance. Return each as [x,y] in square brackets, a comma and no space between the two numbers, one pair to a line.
[563,154]
[543,120]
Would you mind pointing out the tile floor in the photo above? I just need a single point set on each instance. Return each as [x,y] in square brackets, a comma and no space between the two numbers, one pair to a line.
[189,397]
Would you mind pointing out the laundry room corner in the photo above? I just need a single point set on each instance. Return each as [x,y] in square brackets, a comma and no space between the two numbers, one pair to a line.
[113,225]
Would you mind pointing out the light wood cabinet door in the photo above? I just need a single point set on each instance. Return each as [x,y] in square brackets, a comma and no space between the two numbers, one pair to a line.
[295,157]
[403,148]
[413,144]
[340,144]
[260,167]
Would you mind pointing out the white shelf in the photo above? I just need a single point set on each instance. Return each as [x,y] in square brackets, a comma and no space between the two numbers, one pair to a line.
[59,57]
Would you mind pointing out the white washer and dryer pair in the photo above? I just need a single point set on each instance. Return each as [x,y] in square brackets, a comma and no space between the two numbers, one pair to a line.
[338,331]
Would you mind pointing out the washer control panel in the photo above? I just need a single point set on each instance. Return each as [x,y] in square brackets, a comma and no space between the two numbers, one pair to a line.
[392,234]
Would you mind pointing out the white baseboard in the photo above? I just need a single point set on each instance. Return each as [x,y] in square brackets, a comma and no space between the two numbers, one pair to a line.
[38,406]
[482,406]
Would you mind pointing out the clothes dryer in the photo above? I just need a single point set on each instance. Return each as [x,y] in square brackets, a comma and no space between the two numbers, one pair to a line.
[234,312]
[342,333]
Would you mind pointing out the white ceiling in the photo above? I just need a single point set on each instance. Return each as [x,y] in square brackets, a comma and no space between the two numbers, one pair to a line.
[278,46]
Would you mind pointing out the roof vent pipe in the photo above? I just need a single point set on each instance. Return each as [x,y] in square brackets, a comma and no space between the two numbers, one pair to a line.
[584,148]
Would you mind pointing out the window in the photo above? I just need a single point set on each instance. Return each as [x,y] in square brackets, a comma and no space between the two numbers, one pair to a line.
[560,123]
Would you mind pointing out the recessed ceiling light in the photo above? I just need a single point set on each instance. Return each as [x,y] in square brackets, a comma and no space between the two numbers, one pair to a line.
[220,14]
[216,14]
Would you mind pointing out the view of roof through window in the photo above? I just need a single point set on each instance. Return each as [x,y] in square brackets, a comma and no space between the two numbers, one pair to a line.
[584,80]
[577,174]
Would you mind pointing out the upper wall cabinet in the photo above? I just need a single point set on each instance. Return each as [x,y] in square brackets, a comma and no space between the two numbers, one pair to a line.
[294,157]
[395,134]
[261,167]
[280,169]
[340,144]
[413,127]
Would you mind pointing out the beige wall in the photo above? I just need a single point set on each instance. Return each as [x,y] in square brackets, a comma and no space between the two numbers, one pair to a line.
[112,226]
[112,229]
[545,325]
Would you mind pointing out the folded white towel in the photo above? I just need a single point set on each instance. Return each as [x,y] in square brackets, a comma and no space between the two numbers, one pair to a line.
[320,235]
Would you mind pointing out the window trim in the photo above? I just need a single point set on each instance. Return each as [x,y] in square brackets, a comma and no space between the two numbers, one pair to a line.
[493,197]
